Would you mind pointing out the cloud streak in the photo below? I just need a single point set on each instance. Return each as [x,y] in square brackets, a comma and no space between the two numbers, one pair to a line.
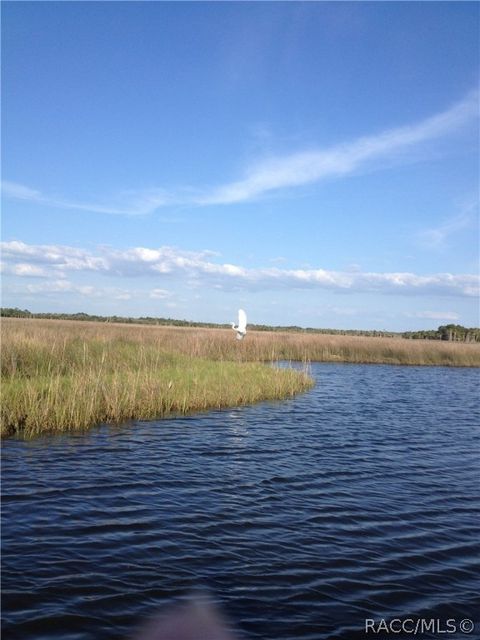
[453,316]
[276,173]
[341,160]
[437,237]
[199,269]
[62,287]
[134,203]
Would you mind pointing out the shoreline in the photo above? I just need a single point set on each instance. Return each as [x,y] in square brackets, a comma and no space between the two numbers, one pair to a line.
[55,380]
[60,376]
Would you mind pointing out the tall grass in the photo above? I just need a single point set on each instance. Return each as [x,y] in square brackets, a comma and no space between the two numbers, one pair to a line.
[59,376]
[64,375]
[259,346]
[264,346]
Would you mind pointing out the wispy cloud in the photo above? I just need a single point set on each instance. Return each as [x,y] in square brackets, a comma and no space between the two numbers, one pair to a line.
[436,237]
[312,166]
[62,286]
[24,269]
[129,203]
[453,316]
[55,288]
[160,294]
[276,173]
[198,269]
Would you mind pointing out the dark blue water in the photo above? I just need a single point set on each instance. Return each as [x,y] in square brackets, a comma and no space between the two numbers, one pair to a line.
[359,499]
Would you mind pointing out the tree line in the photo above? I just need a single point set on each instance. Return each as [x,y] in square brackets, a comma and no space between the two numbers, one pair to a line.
[449,332]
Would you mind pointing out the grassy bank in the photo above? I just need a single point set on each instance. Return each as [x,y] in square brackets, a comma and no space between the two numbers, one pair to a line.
[63,375]
[263,346]
[59,376]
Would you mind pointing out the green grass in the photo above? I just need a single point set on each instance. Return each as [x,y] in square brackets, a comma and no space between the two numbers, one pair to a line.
[56,377]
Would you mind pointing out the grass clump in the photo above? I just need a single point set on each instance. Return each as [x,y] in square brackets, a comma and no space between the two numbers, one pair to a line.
[57,376]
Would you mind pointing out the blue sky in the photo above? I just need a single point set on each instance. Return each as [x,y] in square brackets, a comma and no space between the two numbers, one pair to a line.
[315,163]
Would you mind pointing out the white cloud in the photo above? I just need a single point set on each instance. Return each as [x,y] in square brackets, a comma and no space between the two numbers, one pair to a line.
[197,267]
[437,237]
[291,170]
[63,286]
[20,192]
[54,257]
[24,269]
[51,287]
[130,203]
[435,315]
[346,311]
[312,166]
[160,294]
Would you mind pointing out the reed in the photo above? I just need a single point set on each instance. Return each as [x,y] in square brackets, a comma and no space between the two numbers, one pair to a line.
[65,375]
[60,376]
[265,346]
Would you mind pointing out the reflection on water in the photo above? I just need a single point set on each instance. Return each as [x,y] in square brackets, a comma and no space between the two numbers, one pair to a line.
[358,499]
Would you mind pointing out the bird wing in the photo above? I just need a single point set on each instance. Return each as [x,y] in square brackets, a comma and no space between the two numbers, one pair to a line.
[242,320]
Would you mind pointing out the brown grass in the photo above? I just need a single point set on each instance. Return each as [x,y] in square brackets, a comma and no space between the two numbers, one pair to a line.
[265,346]
[60,375]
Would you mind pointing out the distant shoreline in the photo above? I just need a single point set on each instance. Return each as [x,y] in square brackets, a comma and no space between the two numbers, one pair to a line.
[449,333]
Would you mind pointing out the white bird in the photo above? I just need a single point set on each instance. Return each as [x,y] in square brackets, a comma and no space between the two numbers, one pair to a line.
[241,328]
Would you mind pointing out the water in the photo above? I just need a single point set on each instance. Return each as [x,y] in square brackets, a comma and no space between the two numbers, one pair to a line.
[358,499]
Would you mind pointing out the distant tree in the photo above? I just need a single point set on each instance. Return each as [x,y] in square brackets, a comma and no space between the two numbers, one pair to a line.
[15,312]
[449,332]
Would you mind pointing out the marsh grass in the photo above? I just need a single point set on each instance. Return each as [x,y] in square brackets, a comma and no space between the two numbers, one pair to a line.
[65,375]
[265,346]
[60,376]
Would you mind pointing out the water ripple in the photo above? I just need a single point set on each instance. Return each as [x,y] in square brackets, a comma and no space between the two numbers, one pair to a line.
[359,499]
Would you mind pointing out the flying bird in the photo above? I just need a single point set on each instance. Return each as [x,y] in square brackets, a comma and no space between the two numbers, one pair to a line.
[241,327]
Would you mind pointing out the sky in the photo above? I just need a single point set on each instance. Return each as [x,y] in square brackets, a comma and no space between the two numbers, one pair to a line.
[315,163]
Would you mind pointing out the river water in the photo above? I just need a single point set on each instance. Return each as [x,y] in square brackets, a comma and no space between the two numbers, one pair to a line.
[356,500]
